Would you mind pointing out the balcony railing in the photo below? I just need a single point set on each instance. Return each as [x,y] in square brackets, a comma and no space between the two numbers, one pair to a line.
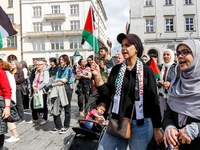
[60,16]
[54,33]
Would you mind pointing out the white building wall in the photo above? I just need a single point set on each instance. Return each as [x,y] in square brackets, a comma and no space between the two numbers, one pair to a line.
[27,26]
[159,39]
[16,51]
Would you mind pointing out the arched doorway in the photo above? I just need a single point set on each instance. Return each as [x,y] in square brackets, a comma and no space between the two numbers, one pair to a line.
[11,58]
[153,53]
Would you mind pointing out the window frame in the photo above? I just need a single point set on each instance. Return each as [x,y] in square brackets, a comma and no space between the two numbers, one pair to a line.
[39,12]
[10,2]
[37,25]
[38,44]
[190,17]
[12,39]
[53,26]
[73,9]
[75,41]
[59,42]
[173,19]
[187,3]
[53,9]
[147,3]
[75,25]
[166,2]
[12,21]
[150,31]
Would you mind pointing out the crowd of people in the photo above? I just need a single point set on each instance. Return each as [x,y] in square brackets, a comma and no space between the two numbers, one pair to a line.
[165,109]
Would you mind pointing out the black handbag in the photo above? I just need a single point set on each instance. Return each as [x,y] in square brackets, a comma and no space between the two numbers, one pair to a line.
[13,110]
[153,146]
[24,90]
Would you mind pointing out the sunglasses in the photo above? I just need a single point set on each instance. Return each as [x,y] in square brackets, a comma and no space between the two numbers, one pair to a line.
[115,57]
[183,53]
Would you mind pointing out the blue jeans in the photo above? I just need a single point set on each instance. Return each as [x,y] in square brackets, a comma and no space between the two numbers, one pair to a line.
[89,125]
[139,140]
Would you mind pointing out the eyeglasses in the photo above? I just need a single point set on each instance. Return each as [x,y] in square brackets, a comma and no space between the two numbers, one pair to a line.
[183,53]
[115,57]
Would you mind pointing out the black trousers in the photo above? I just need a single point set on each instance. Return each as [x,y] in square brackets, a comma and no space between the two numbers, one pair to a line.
[26,97]
[83,96]
[44,110]
[1,141]
[19,104]
[67,109]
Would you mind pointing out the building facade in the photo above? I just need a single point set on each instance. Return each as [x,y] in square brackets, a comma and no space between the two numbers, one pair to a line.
[51,28]
[162,24]
[11,49]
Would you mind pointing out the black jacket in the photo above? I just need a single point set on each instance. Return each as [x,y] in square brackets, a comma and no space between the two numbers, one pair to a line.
[53,71]
[151,107]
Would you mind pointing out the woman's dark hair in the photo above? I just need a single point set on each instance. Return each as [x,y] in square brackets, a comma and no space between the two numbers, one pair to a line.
[91,57]
[134,39]
[79,62]
[66,59]
[53,59]
[24,65]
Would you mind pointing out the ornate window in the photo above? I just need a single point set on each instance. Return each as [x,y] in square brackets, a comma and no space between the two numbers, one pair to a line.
[56,26]
[57,44]
[75,43]
[149,25]
[38,45]
[37,27]
[74,9]
[10,3]
[12,41]
[11,17]
[75,25]
[55,9]
[189,22]
[37,11]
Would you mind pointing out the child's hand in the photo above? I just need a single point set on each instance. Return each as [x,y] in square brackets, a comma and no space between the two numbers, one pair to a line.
[100,117]
[105,123]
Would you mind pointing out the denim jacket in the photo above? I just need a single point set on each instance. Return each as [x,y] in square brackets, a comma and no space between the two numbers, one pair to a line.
[170,75]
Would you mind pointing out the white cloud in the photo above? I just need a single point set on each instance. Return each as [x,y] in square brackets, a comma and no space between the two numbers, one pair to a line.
[118,15]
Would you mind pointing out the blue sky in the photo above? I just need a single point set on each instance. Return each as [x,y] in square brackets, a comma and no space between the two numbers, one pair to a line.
[117,12]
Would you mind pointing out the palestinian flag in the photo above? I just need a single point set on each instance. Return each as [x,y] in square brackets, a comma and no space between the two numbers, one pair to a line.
[89,32]
[6,28]
[152,64]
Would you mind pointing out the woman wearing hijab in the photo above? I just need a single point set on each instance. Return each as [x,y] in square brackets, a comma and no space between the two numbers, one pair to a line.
[167,75]
[145,58]
[122,82]
[119,59]
[182,118]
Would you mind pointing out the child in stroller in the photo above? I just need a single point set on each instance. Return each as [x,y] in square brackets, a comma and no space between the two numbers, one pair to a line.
[96,114]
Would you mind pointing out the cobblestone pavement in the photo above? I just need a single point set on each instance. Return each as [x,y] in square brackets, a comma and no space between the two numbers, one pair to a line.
[36,137]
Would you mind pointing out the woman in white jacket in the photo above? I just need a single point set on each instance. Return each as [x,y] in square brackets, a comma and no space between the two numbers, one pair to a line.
[11,126]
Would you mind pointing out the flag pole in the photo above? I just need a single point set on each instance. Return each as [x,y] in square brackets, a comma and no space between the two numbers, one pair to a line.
[93,33]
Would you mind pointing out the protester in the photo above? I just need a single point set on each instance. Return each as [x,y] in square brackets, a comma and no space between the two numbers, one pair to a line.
[167,75]
[54,67]
[83,87]
[32,76]
[40,81]
[11,126]
[97,115]
[119,59]
[65,74]
[116,57]
[145,58]
[17,72]
[181,119]
[26,75]
[103,52]
[74,69]
[89,63]
[47,66]
[5,95]
[123,79]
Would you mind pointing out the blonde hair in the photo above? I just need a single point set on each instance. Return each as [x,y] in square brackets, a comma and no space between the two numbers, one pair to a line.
[44,67]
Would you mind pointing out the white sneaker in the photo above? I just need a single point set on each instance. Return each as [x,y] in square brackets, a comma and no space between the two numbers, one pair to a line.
[32,121]
[12,139]
[43,122]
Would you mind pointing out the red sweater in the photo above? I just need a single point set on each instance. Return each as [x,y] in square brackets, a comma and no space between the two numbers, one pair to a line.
[5,89]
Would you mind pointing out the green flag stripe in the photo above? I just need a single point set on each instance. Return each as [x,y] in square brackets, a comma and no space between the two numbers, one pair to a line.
[1,41]
[89,37]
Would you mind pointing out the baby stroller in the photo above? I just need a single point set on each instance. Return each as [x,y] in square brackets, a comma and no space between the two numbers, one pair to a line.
[86,139]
